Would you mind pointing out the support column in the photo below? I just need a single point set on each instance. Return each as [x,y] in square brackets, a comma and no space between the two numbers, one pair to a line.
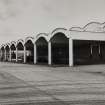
[70,52]
[99,50]
[5,55]
[10,55]
[91,49]
[35,54]
[16,54]
[49,53]
[1,55]
[24,54]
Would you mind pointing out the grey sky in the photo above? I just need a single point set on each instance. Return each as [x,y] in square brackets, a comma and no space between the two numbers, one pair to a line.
[21,18]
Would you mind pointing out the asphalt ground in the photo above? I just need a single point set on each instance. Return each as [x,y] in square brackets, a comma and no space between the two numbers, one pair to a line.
[22,84]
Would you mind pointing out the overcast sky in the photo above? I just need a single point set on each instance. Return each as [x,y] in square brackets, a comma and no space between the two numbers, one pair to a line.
[21,18]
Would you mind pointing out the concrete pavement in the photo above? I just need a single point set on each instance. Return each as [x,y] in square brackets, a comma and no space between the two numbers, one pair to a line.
[22,84]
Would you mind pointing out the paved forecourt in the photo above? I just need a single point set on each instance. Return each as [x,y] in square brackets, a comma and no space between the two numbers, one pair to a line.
[22,84]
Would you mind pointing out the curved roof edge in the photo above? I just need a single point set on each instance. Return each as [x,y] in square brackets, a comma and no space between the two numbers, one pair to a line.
[29,38]
[95,27]
[59,30]
[20,41]
[44,35]
[13,43]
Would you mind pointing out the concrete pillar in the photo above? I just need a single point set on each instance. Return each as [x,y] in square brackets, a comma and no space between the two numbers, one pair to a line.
[99,49]
[35,54]
[49,53]
[5,55]
[24,54]
[70,52]
[16,54]
[91,49]
[10,55]
[1,54]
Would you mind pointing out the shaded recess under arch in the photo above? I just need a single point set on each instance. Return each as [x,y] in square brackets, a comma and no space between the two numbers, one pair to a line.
[60,48]
[42,50]
[7,48]
[29,50]
[20,48]
[13,51]
[2,53]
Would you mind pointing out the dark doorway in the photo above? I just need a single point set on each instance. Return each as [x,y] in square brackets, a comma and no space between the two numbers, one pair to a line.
[20,48]
[7,53]
[13,53]
[2,54]
[29,52]
[60,49]
[42,50]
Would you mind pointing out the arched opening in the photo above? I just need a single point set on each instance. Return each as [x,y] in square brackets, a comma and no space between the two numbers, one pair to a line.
[29,51]
[60,49]
[7,52]
[13,53]
[42,50]
[20,48]
[2,54]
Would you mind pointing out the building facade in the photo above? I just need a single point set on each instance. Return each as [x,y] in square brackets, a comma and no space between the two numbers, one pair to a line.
[62,47]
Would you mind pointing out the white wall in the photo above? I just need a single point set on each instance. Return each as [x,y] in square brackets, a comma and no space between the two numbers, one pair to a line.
[87,35]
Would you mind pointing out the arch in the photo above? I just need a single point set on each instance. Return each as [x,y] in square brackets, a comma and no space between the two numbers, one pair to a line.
[2,52]
[2,46]
[76,29]
[20,41]
[60,48]
[90,27]
[7,45]
[7,49]
[41,35]
[59,30]
[13,51]
[29,38]
[20,44]
[98,23]
[95,27]
[29,44]
[13,43]
[20,48]
[42,48]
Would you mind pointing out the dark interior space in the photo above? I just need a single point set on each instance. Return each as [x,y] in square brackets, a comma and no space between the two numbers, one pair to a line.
[3,54]
[42,50]
[13,52]
[20,48]
[60,49]
[7,52]
[88,52]
[29,52]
